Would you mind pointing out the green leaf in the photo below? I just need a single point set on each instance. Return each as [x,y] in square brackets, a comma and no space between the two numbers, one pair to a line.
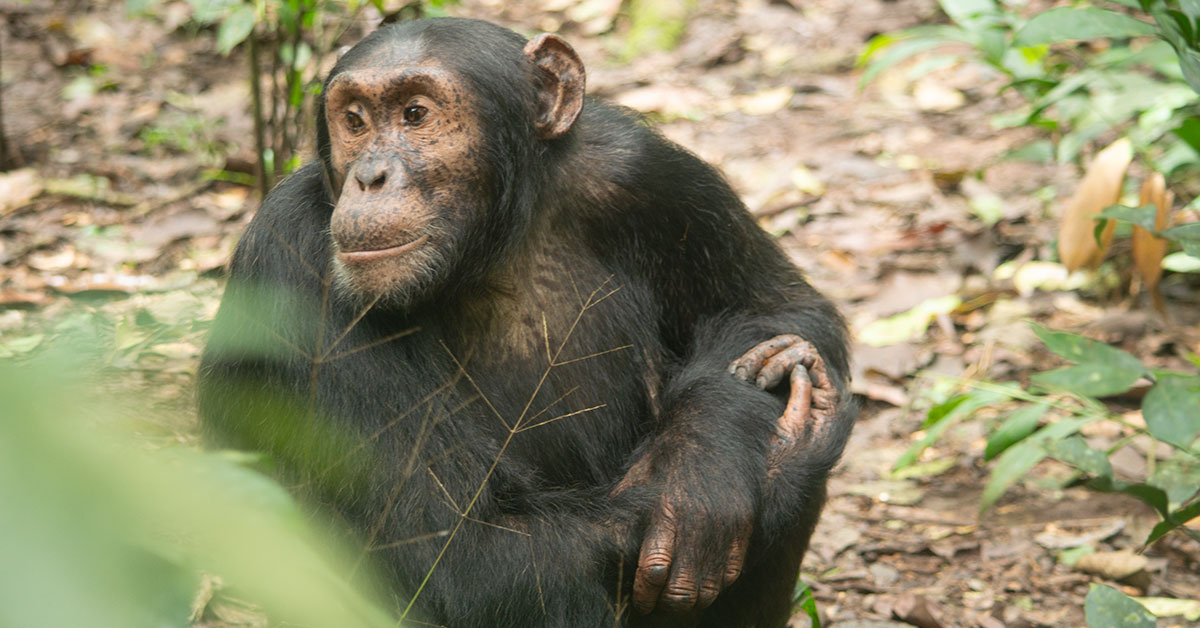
[943,409]
[1038,151]
[1089,380]
[235,28]
[992,42]
[1023,456]
[1176,519]
[907,325]
[1016,427]
[946,414]
[1189,132]
[1179,35]
[1098,232]
[1072,555]
[1013,463]
[1141,216]
[967,11]
[1079,349]
[802,598]
[1075,452]
[1172,409]
[1101,371]
[1066,23]
[209,11]
[1187,235]
[1179,476]
[1152,496]
[1106,607]
[897,52]
[987,207]
[17,346]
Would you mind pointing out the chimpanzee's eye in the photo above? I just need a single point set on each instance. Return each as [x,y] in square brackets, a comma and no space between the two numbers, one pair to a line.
[354,122]
[413,114]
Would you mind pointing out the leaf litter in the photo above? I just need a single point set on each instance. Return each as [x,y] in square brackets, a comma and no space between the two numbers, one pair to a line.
[896,200]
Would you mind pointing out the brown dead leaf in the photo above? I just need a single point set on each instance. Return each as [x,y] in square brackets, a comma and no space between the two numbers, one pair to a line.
[1101,187]
[23,298]
[17,188]
[100,283]
[916,610]
[1057,536]
[1149,249]
[760,103]
[672,101]
[55,260]
[1112,565]
[593,16]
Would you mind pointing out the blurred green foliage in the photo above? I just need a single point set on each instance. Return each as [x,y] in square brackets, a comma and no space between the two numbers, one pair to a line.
[100,529]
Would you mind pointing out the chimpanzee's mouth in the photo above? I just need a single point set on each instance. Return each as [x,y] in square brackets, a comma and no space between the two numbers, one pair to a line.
[371,255]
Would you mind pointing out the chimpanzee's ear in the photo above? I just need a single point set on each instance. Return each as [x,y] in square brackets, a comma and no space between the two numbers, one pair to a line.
[560,84]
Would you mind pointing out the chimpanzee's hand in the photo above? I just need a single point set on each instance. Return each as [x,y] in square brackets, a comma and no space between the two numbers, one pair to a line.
[812,401]
[694,543]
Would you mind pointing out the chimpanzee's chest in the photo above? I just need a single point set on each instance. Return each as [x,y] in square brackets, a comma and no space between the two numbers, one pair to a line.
[569,366]
[555,376]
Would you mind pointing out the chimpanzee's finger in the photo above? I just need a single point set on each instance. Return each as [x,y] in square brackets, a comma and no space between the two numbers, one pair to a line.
[777,366]
[748,366]
[737,556]
[799,405]
[654,563]
[682,592]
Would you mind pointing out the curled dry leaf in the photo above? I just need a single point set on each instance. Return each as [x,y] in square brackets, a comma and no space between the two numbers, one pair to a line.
[1149,249]
[1101,187]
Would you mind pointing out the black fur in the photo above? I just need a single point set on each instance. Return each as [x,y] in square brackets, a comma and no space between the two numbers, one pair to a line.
[610,240]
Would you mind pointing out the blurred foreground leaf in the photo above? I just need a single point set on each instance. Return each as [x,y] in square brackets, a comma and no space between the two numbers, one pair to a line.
[99,530]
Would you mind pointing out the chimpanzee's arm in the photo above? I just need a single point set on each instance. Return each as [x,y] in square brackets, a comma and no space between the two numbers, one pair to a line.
[734,457]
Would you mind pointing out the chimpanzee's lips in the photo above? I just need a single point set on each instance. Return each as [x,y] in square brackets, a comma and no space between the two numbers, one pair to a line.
[371,255]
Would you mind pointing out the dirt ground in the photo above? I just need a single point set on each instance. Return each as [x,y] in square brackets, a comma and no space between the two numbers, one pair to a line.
[871,191]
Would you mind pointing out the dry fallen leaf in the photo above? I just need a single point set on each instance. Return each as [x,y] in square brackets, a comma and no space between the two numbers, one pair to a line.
[1149,249]
[672,101]
[1112,565]
[917,610]
[17,188]
[931,95]
[1101,187]
[760,103]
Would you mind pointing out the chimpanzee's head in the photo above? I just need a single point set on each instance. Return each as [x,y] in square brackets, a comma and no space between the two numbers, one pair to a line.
[431,136]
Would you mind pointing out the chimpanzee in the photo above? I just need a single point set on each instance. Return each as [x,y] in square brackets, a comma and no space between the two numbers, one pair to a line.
[539,359]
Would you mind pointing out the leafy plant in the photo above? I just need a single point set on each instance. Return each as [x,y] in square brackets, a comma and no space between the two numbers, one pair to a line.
[1133,82]
[1046,418]
[99,529]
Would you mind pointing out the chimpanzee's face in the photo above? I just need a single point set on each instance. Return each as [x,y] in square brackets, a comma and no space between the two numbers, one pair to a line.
[407,172]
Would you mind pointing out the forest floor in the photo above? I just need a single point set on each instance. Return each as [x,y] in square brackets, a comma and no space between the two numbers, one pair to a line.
[879,194]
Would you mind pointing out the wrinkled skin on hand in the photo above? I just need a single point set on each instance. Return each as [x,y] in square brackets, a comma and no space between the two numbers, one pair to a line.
[691,550]
[694,545]
[812,400]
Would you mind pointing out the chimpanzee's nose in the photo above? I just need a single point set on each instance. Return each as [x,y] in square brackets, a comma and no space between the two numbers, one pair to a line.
[371,174]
